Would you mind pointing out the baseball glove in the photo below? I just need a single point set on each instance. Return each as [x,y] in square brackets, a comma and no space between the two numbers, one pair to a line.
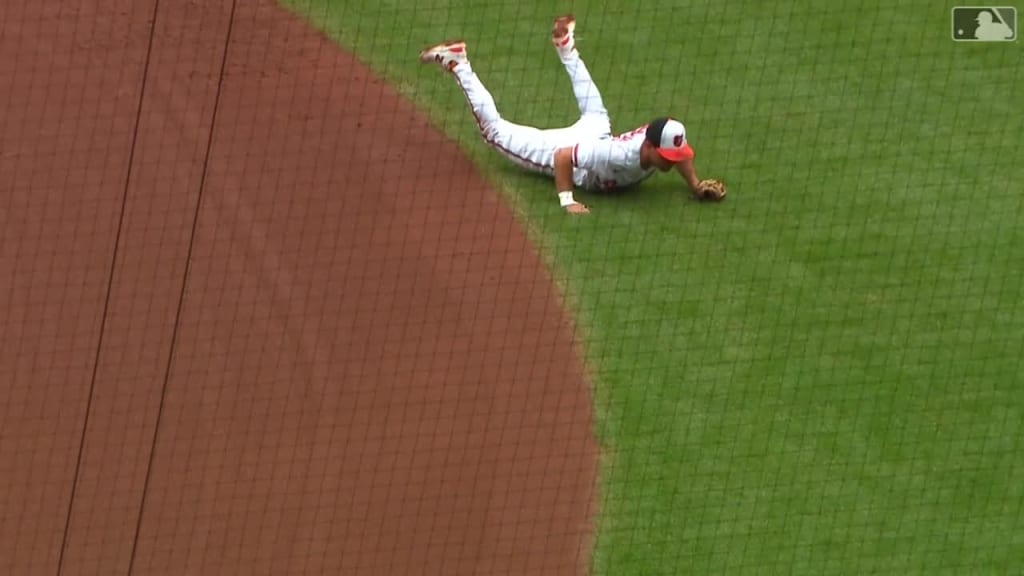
[710,190]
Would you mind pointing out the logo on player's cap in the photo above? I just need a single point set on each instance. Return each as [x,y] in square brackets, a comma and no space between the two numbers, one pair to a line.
[669,137]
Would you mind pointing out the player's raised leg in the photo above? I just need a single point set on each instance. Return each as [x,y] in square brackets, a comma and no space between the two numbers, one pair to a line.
[529,147]
[453,58]
[588,97]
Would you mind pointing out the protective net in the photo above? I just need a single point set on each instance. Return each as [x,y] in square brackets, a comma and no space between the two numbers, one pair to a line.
[291,289]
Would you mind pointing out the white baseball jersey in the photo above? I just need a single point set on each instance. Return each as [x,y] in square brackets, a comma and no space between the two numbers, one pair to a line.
[609,163]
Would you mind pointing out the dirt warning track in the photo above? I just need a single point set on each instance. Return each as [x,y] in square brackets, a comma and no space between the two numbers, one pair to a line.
[240,336]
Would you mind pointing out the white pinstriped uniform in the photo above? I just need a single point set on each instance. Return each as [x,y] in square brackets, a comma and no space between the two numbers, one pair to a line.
[600,160]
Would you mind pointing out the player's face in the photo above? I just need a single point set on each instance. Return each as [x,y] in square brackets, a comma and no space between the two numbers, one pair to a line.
[659,162]
[655,159]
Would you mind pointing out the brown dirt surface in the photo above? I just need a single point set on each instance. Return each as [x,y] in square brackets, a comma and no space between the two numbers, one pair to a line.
[247,330]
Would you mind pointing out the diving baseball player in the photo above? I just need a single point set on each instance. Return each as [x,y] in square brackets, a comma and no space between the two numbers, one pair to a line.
[585,154]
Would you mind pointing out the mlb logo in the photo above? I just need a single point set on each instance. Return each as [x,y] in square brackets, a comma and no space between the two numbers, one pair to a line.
[984,23]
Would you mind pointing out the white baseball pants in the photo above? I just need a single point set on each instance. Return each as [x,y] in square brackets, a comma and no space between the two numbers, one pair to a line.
[534,148]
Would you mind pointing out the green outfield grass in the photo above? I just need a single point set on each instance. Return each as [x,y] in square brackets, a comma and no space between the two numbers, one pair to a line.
[823,374]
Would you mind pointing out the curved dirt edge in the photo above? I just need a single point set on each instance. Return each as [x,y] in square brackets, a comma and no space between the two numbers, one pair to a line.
[328,349]
[485,293]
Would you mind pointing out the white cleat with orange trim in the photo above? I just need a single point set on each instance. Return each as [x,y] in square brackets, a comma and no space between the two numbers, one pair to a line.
[447,55]
[563,35]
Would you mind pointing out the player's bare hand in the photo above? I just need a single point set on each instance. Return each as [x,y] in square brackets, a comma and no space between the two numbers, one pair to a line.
[577,208]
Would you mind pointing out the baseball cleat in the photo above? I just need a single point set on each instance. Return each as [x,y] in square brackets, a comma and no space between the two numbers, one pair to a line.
[447,55]
[563,34]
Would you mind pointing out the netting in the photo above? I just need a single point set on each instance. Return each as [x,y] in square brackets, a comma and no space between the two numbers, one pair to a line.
[291,289]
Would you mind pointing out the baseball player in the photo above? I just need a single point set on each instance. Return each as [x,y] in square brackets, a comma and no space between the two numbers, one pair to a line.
[585,154]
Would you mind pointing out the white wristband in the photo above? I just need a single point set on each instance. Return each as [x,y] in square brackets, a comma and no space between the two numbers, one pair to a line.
[566,199]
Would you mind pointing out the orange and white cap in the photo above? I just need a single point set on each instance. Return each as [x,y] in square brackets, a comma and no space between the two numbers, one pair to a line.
[668,136]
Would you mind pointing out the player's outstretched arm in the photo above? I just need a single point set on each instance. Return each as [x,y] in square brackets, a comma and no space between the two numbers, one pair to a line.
[689,173]
[563,182]
[707,190]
